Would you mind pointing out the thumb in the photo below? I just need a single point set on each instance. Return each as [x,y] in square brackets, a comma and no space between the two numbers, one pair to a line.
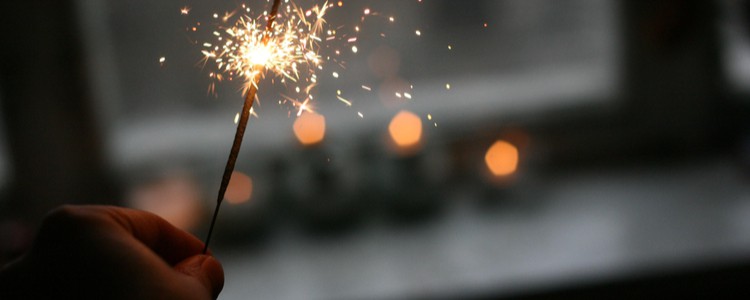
[206,269]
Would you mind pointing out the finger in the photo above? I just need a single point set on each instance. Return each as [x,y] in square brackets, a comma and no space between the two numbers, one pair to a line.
[167,241]
[206,269]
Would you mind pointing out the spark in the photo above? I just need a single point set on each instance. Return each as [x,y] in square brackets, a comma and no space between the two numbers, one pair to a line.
[342,99]
[288,50]
[185,10]
[304,107]
[293,51]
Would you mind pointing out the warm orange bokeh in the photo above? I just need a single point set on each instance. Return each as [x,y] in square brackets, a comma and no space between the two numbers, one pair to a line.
[405,129]
[310,128]
[240,188]
[502,158]
[176,198]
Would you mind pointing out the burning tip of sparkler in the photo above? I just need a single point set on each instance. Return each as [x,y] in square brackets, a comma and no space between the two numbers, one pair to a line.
[185,10]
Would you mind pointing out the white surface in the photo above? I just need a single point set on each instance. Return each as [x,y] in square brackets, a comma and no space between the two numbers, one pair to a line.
[585,226]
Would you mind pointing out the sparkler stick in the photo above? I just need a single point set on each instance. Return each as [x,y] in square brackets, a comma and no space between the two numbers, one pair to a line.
[241,126]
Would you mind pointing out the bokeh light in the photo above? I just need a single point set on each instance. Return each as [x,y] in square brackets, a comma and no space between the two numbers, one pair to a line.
[240,188]
[502,158]
[175,198]
[405,129]
[310,128]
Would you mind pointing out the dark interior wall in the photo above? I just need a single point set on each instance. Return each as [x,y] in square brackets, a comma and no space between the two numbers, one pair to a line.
[54,144]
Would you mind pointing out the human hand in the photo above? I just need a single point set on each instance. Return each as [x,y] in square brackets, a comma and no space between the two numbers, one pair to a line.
[100,252]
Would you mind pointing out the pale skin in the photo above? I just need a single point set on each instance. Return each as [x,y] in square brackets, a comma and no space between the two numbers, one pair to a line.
[103,252]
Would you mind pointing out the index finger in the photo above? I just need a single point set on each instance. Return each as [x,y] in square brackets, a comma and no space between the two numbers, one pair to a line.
[167,241]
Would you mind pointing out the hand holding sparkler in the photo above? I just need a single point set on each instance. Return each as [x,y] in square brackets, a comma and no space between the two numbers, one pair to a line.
[100,252]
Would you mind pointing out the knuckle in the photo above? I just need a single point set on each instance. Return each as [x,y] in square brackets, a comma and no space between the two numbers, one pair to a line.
[66,217]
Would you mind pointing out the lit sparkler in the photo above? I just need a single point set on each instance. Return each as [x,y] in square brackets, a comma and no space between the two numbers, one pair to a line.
[284,44]
[253,51]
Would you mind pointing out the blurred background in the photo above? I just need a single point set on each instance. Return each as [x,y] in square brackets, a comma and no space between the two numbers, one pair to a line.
[545,148]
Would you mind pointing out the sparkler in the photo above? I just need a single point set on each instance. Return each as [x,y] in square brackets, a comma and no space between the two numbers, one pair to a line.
[285,44]
[252,89]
